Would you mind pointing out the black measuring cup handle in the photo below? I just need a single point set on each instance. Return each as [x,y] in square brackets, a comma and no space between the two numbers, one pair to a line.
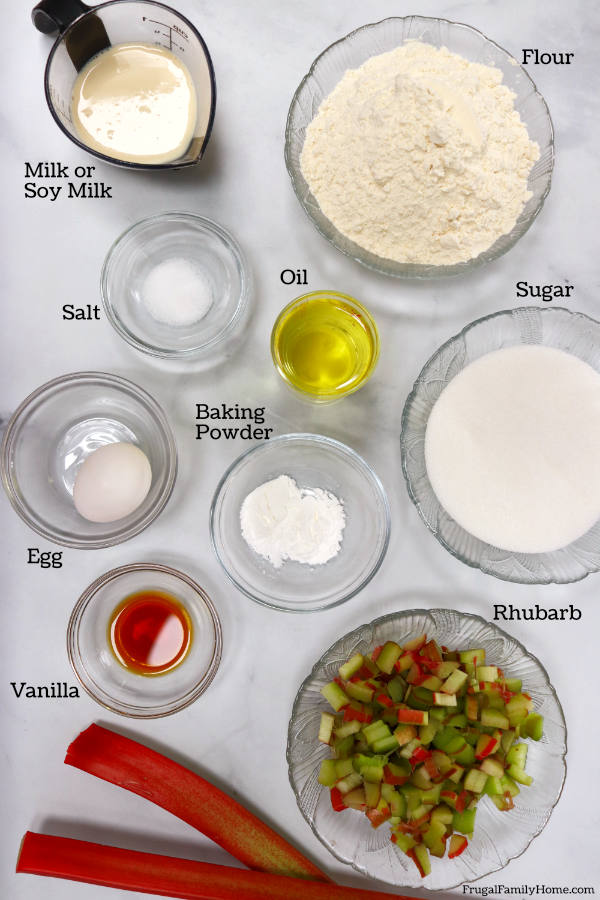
[56,15]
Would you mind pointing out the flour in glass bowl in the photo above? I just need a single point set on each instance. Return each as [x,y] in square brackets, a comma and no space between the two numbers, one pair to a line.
[419,156]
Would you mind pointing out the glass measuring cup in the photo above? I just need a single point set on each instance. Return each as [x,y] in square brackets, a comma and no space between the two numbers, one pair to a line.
[85,31]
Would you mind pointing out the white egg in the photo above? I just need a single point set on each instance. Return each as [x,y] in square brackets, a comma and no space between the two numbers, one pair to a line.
[112,482]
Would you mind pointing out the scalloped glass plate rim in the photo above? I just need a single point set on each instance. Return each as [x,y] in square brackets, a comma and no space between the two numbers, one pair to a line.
[426,612]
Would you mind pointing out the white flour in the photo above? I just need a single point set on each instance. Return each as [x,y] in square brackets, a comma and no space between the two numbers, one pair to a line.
[281,521]
[420,156]
[512,448]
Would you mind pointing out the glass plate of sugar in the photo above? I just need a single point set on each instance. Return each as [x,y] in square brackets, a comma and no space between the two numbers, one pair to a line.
[572,333]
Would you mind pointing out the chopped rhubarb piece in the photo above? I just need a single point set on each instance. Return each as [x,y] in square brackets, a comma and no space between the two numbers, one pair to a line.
[420,857]
[441,699]
[475,780]
[356,799]
[130,870]
[432,651]
[421,819]
[356,712]
[351,667]
[416,643]
[420,755]
[432,769]
[509,803]
[368,670]
[458,843]
[335,695]
[376,652]
[131,765]
[377,817]
[486,744]
[404,663]
[337,801]
[404,734]
[384,700]
[326,727]
[413,716]
[390,653]
[415,674]
[472,708]
[327,774]
[462,801]
[359,690]
[390,778]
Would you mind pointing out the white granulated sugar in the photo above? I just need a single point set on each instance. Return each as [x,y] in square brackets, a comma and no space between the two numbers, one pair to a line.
[176,292]
[419,156]
[512,448]
[281,521]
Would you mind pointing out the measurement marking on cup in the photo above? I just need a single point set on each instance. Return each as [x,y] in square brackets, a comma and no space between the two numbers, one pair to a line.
[60,105]
[168,33]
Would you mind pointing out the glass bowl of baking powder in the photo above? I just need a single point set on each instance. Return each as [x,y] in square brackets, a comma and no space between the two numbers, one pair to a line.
[351,53]
[317,465]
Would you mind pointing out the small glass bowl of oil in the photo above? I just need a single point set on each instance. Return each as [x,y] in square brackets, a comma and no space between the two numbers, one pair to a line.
[325,345]
[144,640]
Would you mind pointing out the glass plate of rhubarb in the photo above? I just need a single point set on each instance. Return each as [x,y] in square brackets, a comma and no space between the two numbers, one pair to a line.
[344,762]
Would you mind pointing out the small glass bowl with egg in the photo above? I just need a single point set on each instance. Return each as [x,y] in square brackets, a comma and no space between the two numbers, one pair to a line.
[88,460]
[175,286]
[498,497]
[118,683]
[315,463]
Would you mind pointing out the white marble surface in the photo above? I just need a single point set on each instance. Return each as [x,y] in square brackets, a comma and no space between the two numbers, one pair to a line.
[53,252]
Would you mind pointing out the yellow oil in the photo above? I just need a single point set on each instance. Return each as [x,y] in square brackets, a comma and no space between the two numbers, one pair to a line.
[325,345]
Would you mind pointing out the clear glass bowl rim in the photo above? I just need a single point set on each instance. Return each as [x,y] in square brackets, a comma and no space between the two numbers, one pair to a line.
[327,442]
[209,225]
[371,326]
[398,616]
[113,381]
[390,267]
[87,597]
[513,313]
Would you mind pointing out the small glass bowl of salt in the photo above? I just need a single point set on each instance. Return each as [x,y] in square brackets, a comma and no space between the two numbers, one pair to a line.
[175,285]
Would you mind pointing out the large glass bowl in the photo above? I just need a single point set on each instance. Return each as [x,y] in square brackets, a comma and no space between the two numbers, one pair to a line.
[351,52]
[499,836]
[313,461]
[112,685]
[55,430]
[574,333]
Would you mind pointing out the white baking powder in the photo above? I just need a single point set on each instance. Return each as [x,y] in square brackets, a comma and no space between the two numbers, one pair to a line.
[419,156]
[281,521]
[512,448]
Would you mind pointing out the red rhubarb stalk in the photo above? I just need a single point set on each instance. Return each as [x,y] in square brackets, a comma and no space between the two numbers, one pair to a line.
[168,876]
[143,771]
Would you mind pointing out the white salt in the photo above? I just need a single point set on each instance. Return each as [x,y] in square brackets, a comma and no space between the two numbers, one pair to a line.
[176,292]
[512,448]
